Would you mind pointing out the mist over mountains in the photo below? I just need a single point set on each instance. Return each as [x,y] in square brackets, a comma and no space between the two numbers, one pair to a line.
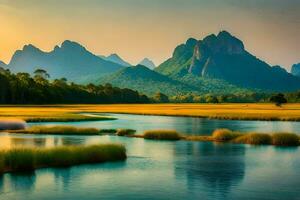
[216,64]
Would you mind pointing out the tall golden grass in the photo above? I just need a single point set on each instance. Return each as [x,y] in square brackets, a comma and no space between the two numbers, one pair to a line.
[28,159]
[60,130]
[162,135]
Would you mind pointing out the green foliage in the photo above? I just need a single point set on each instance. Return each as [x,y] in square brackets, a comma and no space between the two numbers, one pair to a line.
[22,89]
[28,159]
[254,138]
[285,139]
[278,99]
[162,135]
[125,132]
[161,98]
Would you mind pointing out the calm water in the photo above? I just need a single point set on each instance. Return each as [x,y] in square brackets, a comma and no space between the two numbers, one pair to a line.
[163,170]
[187,125]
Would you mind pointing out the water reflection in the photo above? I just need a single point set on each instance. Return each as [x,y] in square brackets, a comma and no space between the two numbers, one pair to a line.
[217,167]
[23,140]
[17,182]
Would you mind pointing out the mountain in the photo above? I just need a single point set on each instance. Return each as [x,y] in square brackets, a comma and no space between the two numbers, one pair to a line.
[150,82]
[147,63]
[224,57]
[115,58]
[296,70]
[70,60]
[3,65]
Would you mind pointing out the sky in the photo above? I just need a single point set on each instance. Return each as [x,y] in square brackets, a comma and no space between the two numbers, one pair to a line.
[134,29]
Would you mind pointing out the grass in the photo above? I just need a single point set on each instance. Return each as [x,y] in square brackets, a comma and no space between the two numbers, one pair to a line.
[223,135]
[60,130]
[226,135]
[285,139]
[28,159]
[162,135]
[233,111]
[125,132]
[255,139]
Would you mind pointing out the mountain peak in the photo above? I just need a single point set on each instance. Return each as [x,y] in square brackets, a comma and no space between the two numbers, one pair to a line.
[30,47]
[296,70]
[115,58]
[191,42]
[68,44]
[224,42]
[147,63]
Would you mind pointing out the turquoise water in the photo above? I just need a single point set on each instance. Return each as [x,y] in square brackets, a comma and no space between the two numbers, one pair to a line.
[161,170]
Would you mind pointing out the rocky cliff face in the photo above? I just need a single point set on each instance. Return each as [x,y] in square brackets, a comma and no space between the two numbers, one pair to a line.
[296,70]
[203,63]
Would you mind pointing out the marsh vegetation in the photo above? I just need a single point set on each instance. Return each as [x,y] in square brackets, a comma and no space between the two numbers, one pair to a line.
[28,159]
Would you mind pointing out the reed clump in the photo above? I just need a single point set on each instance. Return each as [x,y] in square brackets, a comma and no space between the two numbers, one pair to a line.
[254,138]
[28,159]
[223,135]
[125,132]
[60,130]
[162,135]
[285,139]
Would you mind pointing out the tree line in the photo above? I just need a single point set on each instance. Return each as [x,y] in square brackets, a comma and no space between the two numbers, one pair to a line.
[21,88]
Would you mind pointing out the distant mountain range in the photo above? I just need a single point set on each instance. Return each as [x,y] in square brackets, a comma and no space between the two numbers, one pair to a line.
[115,58]
[217,64]
[70,60]
[147,63]
[296,70]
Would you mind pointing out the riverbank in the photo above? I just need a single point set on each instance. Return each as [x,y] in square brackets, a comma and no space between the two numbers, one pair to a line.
[65,113]
[29,159]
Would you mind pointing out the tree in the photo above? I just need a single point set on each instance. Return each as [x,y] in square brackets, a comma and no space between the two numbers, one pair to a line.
[211,99]
[161,98]
[278,99]
[41,74]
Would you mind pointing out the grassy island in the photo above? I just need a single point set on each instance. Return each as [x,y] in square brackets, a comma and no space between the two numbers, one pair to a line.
[28,159]
[59,130]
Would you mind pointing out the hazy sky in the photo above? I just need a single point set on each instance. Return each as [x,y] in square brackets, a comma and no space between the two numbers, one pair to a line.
[136,29]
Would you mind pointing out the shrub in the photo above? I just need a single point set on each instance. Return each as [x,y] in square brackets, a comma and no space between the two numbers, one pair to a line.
[162,135]
[285,139]
[225,135]
[125,132]
[254,138]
